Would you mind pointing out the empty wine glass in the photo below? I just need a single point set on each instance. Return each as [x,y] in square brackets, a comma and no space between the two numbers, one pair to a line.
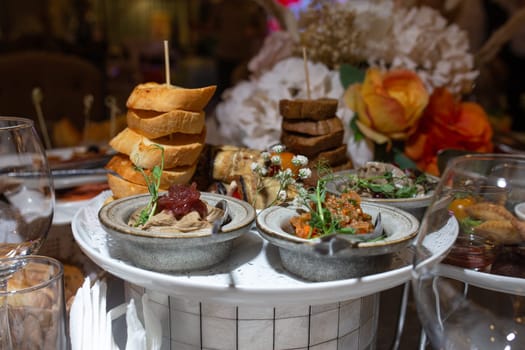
[27,201]
[464,299]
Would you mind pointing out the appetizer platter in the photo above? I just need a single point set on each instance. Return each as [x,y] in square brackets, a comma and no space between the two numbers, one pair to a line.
[252,274]
[163,151]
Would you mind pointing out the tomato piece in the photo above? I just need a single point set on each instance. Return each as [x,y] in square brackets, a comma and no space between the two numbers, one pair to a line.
[458,205]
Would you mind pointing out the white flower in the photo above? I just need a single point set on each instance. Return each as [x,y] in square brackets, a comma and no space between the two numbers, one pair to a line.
[299,160]
[278,148]
[265,156]
[304,173]
[276,160]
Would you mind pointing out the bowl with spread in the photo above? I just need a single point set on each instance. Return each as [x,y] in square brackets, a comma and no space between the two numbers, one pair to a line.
[180,236]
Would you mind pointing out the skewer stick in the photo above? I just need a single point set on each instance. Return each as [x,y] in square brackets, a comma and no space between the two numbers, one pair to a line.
[37,101]
[88,103]
[167,68]
[307,76]
[167,62]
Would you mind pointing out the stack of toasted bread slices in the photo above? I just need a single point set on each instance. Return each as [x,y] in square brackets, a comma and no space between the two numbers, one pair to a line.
[159,115]
[312,128]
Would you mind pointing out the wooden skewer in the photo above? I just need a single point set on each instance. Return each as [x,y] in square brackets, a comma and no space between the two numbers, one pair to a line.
[37,101]
[167,69]
[167,62]
[307,76]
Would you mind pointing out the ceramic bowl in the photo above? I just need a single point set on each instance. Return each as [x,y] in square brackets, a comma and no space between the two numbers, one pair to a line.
[165,252]
[416,206]
[299,257]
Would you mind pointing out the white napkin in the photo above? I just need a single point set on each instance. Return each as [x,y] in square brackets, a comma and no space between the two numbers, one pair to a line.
[91,326]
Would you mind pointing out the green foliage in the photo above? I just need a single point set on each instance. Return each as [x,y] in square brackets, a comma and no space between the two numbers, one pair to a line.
[358,135]
[349,75]
[153,184]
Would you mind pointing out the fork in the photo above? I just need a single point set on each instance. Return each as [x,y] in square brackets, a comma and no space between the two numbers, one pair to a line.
[335,242]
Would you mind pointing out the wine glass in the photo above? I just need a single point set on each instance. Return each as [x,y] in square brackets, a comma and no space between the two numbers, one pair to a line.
[27,200]
[464,298]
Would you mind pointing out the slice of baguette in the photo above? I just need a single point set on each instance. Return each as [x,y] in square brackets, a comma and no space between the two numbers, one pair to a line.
[122,166]
[165,98]
[179,149]
[318,109]
[311,146]
[122,188]
[311,127]
[154,124]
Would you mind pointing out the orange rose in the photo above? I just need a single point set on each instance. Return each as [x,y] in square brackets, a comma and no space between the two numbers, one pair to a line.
[447,123]
[388,104]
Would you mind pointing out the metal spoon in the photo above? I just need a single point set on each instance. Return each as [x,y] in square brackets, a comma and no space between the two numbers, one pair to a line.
[221,220]
[335,242]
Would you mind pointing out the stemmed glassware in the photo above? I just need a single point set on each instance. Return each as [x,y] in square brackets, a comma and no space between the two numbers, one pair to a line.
[27,201]
[477,197]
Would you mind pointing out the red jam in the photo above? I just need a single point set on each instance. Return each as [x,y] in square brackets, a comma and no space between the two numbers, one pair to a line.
[181,200]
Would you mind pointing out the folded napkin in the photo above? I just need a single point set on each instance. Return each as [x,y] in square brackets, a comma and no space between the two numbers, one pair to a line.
[91,326]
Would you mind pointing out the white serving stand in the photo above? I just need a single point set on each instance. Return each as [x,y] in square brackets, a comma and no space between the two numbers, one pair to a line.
[249,301]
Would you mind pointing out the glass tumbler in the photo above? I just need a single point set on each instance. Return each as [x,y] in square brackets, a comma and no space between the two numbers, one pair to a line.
[34,301]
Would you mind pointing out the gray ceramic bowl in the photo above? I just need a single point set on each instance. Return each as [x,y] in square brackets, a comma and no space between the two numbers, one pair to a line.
[299,257]
[165,252]
[415,206]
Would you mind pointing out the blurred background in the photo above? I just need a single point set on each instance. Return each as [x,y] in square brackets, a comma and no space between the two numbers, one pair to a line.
[71,49]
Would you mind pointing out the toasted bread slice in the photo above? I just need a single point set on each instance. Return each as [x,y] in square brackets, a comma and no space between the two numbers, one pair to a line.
[122,165]
[165,98]
[318,109]
[311,146]
[179,149]
[313,127]
[331,157]
[154,124]
[122,188]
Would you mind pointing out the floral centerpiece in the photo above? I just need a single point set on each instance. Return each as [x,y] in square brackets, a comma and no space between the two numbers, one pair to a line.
[400,75]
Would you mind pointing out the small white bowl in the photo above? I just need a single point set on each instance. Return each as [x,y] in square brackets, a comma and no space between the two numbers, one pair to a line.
[165,252]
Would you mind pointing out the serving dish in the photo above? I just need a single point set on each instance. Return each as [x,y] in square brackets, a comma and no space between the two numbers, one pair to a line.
[415,205]
[253,274]
[164,251]
[300,257]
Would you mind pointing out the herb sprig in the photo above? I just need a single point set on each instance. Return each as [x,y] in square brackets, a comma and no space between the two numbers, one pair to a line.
[153,184]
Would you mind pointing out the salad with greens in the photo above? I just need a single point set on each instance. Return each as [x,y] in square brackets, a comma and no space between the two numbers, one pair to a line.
[385,180]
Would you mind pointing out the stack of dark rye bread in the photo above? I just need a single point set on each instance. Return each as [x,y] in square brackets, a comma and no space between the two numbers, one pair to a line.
[312,128]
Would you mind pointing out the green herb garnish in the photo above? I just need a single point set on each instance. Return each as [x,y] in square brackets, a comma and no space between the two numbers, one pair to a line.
[153,184]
